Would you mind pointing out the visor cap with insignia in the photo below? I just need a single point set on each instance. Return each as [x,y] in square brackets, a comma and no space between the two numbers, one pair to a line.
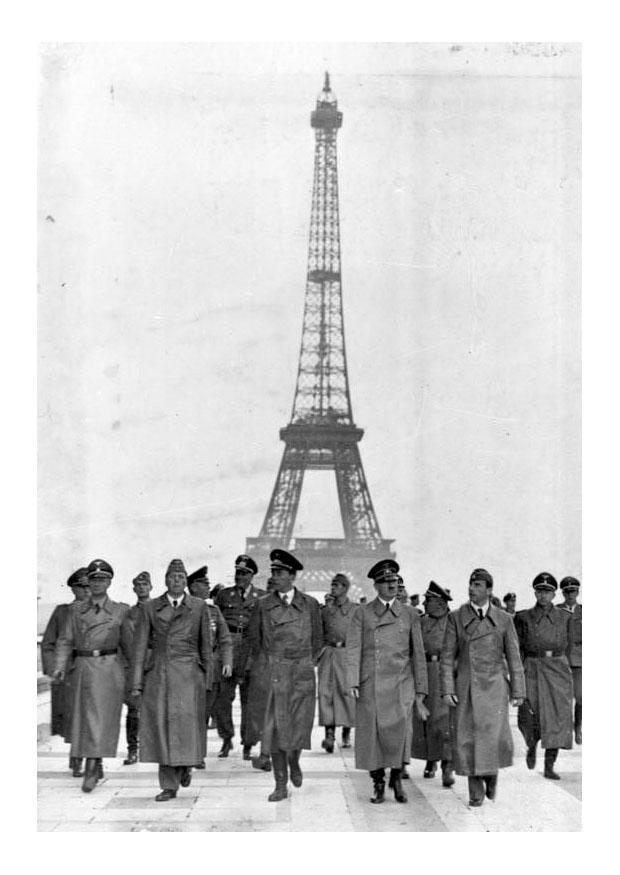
[544,580]
[569,583]
[100,568]
[198,576]
[176,567]
[384,569]
[282,559]
[78,578]
[481,574]
[143,577]
[439,591]
[246,563]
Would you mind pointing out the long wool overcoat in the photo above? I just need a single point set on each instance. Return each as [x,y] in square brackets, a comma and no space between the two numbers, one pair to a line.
[336,705]
[432,738]
[545,640]
[287,640]
[172,715]
[60,723]
[475,655]
[385,659]
[97,682]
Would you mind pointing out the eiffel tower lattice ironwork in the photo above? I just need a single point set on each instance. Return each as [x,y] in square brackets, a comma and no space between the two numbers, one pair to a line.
[322,433]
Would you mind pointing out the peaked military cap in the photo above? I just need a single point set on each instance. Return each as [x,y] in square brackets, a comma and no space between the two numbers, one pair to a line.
[246,563]
[439,591]
[481,574]
[198,575]
[510,596]
[143,577]
[77,578]
[176,565]
[544,580]
[383,570]
[100,568]
[569,583]
[282,559]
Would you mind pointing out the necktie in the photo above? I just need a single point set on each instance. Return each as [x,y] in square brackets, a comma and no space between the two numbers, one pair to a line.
[97,608]
[387,608]
[481,613]
[285,599]
[174,603]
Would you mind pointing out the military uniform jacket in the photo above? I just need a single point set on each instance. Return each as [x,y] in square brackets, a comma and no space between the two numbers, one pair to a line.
[172,718]
[385,659]
[431,737]
[545,640]
[127,632]
[474,658]
[237,608]
[222,641]
[574,656]
[97,682]
[336,705]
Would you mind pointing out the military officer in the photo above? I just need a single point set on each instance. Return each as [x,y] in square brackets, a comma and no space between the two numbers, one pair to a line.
[142,587]
[386,672]
[510,603]
[286,629]
[92,638]
[198,586]
[479,640]
[260,683]
[570,591]
[544,638]
[172,718]
[237,604]
[432,737]
[61,690]
[336,706]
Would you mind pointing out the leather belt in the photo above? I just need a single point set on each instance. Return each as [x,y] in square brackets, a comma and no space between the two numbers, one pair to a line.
[543,654]
[107,652]
[237,630]
[337,644]
[291,654]
[433,657]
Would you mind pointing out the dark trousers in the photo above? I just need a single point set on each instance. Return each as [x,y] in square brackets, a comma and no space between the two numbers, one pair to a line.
[223,706]
[379,774]
[170,776]
[132,727]
[576,670]
[211,702]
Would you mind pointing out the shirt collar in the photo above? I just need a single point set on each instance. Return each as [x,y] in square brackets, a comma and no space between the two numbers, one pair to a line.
[288,596]
[484,608]
[178,599]
[387,604]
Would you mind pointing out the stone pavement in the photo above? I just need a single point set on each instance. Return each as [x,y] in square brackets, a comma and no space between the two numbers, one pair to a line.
[231,796]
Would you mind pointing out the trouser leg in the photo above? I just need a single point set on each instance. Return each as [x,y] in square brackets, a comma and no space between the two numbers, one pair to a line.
[244,688]
[169,777]
[132,726]
[211,701]
[224,702]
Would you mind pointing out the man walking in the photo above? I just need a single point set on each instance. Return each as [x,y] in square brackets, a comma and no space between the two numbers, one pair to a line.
[570,590]
[479,638]
[237,603]
[142,587]
[286,629]
[91,638]
[336,706]
[546,715]
[386,673]
[172,693]
[60,723]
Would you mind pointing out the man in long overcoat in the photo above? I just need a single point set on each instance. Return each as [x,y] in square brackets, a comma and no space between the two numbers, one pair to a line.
[90,646]
[336,705]
[61,690]
[142,587]
[237,603]
[198,586]
[432,739]
[570,590]
[544,638]
[386,672]
[258,690]
[172,718]
[286,628]
[480,641]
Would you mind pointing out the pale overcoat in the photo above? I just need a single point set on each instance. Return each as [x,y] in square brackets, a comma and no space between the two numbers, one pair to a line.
[172,717]
[336,705]
[97,682]
[385,659]
[475,656]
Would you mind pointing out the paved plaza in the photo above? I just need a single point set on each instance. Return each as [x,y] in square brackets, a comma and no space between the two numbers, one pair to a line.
[231,796]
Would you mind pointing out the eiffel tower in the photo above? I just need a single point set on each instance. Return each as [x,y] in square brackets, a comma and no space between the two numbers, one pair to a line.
[322,434]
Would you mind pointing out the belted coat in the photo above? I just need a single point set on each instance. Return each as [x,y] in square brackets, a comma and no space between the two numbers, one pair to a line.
[336,705]
[432,738]
[172,717]
[287,640]
[480,664]
[97,682]
[385,659]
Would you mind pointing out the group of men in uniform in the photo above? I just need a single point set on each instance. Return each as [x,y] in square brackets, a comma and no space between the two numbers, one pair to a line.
[434,687]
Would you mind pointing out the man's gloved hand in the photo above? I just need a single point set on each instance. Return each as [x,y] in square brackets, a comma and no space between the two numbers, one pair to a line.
[227,671]
[452,700]
[355,692]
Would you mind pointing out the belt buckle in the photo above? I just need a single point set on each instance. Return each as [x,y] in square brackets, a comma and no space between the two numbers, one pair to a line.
[434,658]
[548,652]
[96,653]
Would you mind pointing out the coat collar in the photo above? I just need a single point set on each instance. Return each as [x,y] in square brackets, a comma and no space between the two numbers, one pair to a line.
[273,600]
[541,614]
[470,617]
[345,608]
[107,605]
[162,602]
[394,610]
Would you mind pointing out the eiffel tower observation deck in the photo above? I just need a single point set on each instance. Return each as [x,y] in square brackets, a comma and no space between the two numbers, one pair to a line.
[322,434]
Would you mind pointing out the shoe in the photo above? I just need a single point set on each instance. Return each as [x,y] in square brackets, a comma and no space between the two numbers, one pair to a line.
[330,738]
[431,768]
[100,770]
[294,769]
[404,774]
[491,787]
[261,762]
[551,754]
[186,777]
[378,795]
[346,736]
[397,787]
[447,773]
[75,764]
[280,770]
[530,757]
[91,775]
[200,765]
[165,795]
[475,803]
[247,751]
[578,737]
[227,746]
[132,758]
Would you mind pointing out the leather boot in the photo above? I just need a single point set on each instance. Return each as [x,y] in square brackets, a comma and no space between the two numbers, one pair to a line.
[185,778]
[294,768]
[578,723]
[396,785]
[476,791]
[346,736]
[378,780]
[447,773]
[430,769]
[132,757]
[75,764]
[330,736]
[91,775]
[404,773]
[491,786]
[227,746]
[530,756]
[551,754]
[247,751]
[99,769]
[279,767]
[261,762]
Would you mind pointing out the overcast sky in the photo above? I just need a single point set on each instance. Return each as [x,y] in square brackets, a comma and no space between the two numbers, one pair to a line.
[174,206]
